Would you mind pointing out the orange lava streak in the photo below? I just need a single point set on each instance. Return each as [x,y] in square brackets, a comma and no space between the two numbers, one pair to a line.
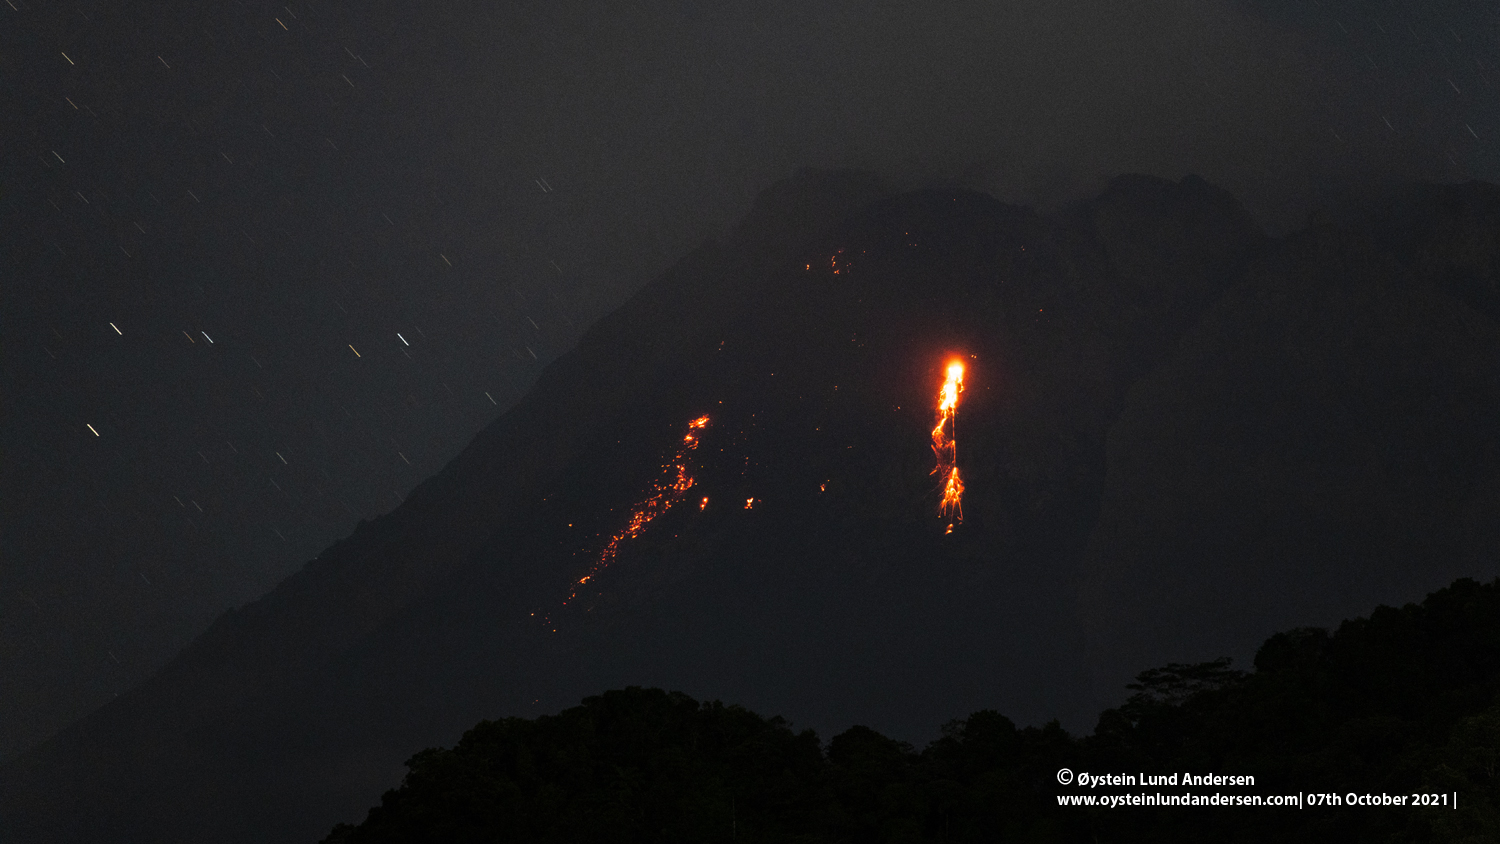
[666,492]
[945,446]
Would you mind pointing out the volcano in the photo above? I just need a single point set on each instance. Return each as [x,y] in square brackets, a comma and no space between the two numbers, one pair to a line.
[1178,435]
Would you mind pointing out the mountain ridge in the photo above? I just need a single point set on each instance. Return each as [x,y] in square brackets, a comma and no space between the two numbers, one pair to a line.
[842,600]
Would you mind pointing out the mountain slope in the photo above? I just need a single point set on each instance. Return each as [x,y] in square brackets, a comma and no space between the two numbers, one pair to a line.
[1399,703]
[1322,440]
[817,577]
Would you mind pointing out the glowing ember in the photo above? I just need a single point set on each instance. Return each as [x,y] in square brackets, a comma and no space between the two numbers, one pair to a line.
[945,446]
[666,492]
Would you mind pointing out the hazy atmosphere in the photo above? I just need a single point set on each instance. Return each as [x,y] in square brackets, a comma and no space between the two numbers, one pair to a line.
[265,268]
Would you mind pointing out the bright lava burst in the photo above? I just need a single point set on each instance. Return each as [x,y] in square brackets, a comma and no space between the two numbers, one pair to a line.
[670,489]
[945,446]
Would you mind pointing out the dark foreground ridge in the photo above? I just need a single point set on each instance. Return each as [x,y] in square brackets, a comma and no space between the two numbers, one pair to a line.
[1400,703]
[1178,435]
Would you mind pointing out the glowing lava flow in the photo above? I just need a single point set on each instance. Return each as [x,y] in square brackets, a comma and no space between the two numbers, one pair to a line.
[945,446]
[666,492]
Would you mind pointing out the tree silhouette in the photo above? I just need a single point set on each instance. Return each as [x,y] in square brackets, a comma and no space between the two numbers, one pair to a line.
[1402,702]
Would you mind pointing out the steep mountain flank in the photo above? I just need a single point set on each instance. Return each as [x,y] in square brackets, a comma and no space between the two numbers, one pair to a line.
[1211,433]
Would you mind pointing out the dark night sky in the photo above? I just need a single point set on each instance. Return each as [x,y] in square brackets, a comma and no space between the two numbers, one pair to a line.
[265,267]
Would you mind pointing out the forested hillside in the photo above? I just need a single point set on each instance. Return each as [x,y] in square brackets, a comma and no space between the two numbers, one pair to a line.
[1402,702]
